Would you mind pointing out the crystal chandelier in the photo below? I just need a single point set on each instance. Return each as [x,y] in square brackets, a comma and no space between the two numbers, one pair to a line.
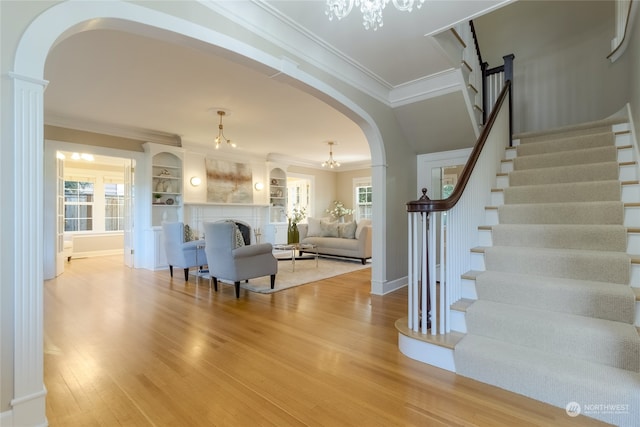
[371,9]
[221,138]
[331,163]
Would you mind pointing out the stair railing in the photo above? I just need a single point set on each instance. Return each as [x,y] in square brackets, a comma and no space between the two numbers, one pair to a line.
[452,226]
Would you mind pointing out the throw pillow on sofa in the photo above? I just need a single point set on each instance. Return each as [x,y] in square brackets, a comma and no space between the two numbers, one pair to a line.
[314,227]
[347,230]
[329,229]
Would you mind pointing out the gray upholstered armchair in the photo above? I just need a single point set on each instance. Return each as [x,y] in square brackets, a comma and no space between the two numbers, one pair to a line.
[230,259]
[182,254]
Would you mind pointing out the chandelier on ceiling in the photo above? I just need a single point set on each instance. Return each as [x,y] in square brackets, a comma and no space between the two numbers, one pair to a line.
[371,9]
[221,138]
[331,163]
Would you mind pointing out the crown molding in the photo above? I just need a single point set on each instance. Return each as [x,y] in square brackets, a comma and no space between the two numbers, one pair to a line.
[114,130]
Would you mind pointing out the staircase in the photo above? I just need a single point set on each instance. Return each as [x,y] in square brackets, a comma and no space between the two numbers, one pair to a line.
[551,306]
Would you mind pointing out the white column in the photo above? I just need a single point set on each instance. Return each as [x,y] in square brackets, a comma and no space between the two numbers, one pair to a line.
[28,404]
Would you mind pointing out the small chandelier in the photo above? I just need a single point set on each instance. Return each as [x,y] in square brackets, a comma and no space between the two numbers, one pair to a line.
[331,163]
[371,9]
[221,138]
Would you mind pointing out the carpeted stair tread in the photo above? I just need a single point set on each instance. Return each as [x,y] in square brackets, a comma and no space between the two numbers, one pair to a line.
[604,171]
[566,158]
[597,191]
[587,128]
[550,378]
[562,213]
[593,237]
[602,341]
[598,266]
[580,142]
[602,300]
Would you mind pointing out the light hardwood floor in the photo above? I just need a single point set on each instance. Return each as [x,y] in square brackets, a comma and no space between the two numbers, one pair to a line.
[132,347]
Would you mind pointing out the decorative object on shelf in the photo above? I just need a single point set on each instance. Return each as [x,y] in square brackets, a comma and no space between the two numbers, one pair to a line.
[157,198]
[170,201]
[339,211]
[165,172]
[195,181]
[160,186]
[371,9]
[168,187]
[274,182]
[221,138]
[330,163]
[297,215]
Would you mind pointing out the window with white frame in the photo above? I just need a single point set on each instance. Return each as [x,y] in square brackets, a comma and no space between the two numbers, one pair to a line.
[363,198]
[78,205]
[113,206]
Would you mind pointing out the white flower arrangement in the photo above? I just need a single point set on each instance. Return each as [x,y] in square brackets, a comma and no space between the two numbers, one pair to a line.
[297,215]
[339,210]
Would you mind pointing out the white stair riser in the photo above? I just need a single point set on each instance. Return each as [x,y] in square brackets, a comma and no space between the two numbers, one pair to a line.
[428,353]
[497,198]
[510,153]
[637,321]
[623,139]
[458,322]
[506,167]
[629,173]
[635,275]
[502,181]
[633,243]
[631,193]
[468,289]
[485,238]
[631,216]
[625,155]
[477,261]
[490,216]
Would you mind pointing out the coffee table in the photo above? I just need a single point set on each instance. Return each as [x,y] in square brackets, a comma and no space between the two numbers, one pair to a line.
[293,247]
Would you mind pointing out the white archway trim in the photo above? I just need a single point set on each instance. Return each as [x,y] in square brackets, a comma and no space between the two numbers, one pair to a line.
[50,27]
[28,403]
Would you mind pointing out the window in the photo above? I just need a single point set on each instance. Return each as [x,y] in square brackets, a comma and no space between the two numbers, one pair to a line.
[78,205]
[113,207]
[299,191]
[363,198]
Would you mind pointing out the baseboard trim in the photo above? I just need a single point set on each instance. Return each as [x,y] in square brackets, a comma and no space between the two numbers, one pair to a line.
[382,288]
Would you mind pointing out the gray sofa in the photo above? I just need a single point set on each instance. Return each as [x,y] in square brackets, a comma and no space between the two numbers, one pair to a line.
[348,240]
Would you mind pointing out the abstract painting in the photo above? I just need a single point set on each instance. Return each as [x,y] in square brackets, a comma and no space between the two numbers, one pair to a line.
[228,182]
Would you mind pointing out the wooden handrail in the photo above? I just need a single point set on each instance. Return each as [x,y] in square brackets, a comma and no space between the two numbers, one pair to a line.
[425,204]
[623,40]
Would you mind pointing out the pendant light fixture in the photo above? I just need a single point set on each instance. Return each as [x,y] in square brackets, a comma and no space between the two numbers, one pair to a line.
[221,138]
[331,163]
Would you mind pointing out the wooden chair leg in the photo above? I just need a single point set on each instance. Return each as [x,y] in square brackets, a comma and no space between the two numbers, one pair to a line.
[171,270]
[186,274]
[273,281]
[215,283]
[237,289]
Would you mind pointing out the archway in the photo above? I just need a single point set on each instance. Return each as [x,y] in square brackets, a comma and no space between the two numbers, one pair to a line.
[28,86]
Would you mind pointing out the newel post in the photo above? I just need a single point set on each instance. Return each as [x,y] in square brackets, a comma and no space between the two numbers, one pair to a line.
[419,299]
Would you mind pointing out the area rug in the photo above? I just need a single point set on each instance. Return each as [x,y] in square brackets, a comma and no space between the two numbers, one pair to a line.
[305,272]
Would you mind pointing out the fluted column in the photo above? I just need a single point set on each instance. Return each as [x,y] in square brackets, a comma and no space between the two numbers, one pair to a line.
[28,404]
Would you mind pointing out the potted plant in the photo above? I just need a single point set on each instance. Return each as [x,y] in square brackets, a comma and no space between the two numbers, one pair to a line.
[156,198]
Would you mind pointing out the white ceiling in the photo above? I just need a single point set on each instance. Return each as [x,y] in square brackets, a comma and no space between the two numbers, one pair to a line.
[116,82]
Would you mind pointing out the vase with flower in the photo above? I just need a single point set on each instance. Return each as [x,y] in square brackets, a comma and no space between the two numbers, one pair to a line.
[339,211]
[293,234]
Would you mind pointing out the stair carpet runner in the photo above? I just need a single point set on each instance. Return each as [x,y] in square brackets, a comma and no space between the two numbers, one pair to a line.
[554,317]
